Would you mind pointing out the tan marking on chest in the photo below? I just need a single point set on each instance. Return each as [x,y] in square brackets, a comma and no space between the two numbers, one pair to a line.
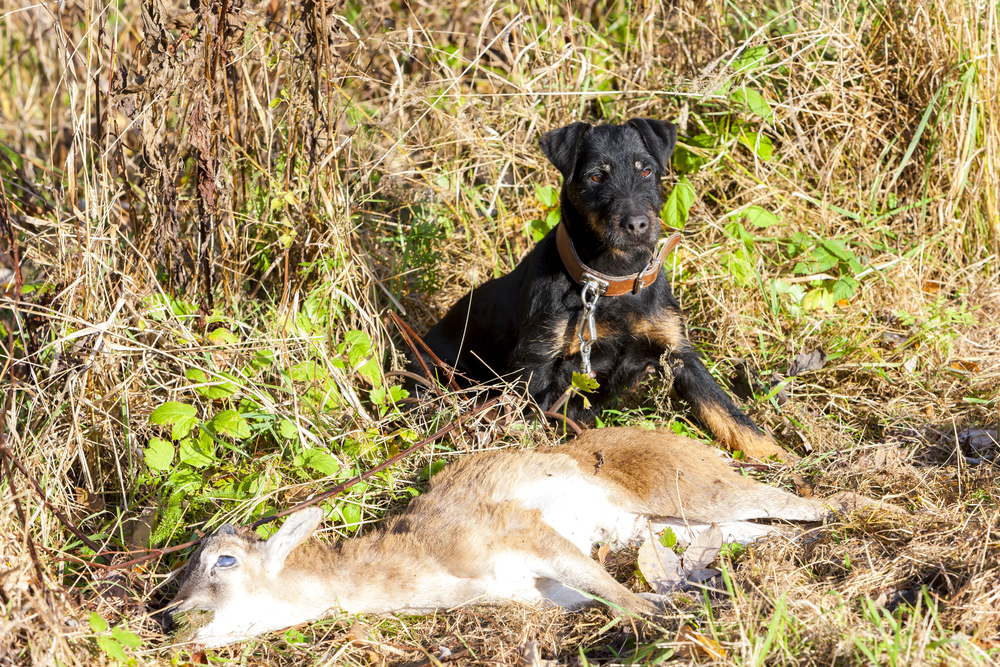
[665,330]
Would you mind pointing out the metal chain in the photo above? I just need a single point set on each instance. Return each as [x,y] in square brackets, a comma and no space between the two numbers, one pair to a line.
[592,291]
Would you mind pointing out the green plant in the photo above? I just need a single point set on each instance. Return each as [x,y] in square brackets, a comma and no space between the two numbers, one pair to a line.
[548,198]
[113,643]
[420,234]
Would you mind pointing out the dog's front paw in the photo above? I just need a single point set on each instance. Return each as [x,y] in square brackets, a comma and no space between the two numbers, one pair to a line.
[760,446]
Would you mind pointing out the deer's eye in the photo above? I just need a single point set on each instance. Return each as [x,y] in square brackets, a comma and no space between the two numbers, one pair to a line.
[597,178]
[225,561]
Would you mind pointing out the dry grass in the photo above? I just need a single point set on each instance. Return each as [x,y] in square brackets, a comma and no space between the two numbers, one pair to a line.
[290,175]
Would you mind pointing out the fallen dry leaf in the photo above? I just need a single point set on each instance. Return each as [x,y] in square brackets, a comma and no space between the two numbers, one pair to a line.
[979,438]
[693,643]
[807,361]
[91,501]
[893,340]
[660,566]
[602,552]
[969,366]
[704,549]
[931,286]
[702,575]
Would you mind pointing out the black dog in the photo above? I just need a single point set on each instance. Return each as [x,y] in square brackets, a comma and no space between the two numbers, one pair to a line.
[525,325]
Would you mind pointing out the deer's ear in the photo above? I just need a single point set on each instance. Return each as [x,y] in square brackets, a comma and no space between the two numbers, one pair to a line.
[296,530]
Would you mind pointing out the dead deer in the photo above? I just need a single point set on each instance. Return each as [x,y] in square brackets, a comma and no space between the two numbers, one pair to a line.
[494,526]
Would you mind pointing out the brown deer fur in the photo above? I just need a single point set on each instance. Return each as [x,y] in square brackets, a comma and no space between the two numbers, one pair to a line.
[510,524]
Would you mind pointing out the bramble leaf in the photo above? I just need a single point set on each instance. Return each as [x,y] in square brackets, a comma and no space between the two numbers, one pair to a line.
[180,416]
[97,623]
[675,212]
[584,383]
[193,453]
[231,423]
[159,455]
[126,637]
[750,59]
[753,101]
[760,217]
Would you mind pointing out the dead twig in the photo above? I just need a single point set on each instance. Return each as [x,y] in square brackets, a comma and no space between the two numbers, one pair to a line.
[409,336]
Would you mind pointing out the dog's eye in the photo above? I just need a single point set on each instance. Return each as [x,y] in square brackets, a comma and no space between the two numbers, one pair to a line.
[597,178]
[646,172]
[226,561]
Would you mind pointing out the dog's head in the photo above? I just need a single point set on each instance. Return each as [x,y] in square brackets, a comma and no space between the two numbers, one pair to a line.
[611,177]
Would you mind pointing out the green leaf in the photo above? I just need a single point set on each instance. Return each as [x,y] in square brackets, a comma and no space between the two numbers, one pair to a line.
[112,648]
[818,260]
[183,477]
[194,454]
[760,217]
[838,250]
[758,142]
[675,211]
[351,514]
[97,624]
[358,345]
[318,460]
[688,161]
[740,233]
[180,415]
[262,359]
[159,455]
[795,291]
[307,371]
[539,228]
[361,357]
[222,337]
[739,265]
[209,389]
[552,219]
[668,538]
[288,429]
[434,468]
[293,636]
[844,288]
[547,195]
[126,637]
[231,423]
[584,383]
[750,59]
[818,298]
[753,101]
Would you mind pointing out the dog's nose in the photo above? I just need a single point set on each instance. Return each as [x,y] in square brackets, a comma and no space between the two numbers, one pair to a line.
[637,224]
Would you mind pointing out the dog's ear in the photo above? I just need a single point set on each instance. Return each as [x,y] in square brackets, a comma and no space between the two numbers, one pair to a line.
[659,136]
[560,147]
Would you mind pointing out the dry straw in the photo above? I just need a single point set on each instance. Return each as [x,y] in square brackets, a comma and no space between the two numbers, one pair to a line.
[262,163]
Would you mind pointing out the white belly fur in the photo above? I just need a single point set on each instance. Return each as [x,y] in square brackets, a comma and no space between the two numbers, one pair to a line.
[580,511]
[518,577]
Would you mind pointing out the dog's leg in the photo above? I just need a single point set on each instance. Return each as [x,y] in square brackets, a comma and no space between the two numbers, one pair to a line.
[695,384]
[712,405]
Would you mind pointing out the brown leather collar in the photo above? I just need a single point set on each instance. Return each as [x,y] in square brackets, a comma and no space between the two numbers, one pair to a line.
[613,286]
